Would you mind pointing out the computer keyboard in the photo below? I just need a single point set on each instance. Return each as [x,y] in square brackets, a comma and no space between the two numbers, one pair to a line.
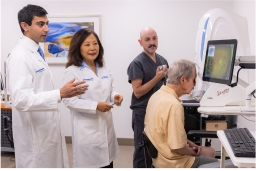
[241,141]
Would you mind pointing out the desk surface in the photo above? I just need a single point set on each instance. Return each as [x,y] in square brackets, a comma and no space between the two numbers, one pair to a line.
[5,108]
[190,104]
[237,161]
[226,110]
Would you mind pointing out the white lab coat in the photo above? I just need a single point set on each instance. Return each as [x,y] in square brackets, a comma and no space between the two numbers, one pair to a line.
[93,136]
[36,126]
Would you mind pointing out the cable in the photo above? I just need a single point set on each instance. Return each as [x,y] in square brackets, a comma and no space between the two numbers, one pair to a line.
[143,145]
[253,93]
[235,84]
[199,120]
[9,138]
[5,116]
[6,129]
[145,157]
[247,119]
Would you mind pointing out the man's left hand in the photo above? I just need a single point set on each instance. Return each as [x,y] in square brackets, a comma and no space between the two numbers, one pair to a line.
[197,149]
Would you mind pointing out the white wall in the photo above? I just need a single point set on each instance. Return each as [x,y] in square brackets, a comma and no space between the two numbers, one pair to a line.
[247,9]
[175,22]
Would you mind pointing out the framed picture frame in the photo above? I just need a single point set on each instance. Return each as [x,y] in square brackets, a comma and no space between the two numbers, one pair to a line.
[61,30]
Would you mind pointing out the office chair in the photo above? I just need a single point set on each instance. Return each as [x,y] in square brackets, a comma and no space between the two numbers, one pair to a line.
[203,134]
[152,151]
[149,147]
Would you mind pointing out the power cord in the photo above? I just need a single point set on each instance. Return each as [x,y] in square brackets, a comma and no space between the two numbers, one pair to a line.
[199,120]
[247,119]
[235,84]
[253,94]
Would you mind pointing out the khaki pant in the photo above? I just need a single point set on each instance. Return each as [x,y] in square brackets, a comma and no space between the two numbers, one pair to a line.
[201,160]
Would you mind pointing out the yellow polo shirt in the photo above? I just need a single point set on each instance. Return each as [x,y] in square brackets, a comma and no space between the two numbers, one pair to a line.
[164,126]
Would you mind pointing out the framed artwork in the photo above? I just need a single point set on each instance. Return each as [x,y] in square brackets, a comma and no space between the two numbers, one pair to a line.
[61,30]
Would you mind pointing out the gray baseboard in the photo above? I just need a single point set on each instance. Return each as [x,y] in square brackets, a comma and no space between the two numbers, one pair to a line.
[125,141]
[121,141]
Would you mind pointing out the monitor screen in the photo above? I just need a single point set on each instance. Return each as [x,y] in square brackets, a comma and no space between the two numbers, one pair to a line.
[219,61]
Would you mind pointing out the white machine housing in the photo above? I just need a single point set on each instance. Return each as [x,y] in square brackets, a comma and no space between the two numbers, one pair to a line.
[218,24]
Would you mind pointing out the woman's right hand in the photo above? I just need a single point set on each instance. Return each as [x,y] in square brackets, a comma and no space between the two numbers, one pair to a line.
[104,107]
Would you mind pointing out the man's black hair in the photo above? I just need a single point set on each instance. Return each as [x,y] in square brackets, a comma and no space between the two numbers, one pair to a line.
[27,13]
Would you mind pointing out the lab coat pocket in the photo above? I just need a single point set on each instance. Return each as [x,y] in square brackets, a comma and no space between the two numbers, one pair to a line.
[89,132]
[47,136]
[105,80]
[43,80]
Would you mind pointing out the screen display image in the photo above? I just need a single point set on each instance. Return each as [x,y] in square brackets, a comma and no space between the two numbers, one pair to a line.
[219,61]
[218,64]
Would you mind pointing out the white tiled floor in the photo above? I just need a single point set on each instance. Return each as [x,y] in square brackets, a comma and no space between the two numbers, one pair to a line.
[123,160]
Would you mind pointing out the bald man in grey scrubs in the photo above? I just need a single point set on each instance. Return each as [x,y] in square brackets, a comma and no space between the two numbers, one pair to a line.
[146,77]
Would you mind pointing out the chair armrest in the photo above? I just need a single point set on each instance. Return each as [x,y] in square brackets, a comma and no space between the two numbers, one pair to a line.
[203,134]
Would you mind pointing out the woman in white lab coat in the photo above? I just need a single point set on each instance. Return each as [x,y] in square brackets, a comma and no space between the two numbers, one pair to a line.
[93,136]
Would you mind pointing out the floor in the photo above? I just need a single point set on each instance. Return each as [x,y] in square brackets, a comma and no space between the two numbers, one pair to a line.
[123,160]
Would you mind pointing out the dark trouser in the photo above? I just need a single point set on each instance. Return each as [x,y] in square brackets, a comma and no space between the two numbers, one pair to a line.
[108,166]
[139,153]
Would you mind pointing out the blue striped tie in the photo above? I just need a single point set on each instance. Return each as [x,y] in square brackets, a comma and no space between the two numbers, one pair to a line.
[40,51]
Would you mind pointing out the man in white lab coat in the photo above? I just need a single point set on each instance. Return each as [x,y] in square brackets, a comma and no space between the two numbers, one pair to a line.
[38,140]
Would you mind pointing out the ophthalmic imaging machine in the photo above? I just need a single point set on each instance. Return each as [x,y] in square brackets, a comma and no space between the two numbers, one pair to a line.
[221,93]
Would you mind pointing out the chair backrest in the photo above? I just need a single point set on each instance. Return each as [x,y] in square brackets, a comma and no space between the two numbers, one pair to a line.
[149,146]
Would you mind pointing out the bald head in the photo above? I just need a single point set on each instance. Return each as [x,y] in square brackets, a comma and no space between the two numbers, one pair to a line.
[146,31]
[149,41]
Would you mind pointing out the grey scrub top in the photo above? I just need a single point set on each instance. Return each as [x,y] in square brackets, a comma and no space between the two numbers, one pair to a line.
[145,68]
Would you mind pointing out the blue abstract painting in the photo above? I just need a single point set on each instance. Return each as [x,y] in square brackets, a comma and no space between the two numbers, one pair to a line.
[59,37]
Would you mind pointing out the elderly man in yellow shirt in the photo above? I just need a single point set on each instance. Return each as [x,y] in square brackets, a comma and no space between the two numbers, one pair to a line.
[164,121]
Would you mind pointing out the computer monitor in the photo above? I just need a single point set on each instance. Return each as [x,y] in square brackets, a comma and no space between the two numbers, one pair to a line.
[219,61]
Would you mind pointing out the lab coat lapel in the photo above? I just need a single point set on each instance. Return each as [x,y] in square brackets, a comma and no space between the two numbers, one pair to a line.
[40,58]
[45,63]
[100,74]
[89,73]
